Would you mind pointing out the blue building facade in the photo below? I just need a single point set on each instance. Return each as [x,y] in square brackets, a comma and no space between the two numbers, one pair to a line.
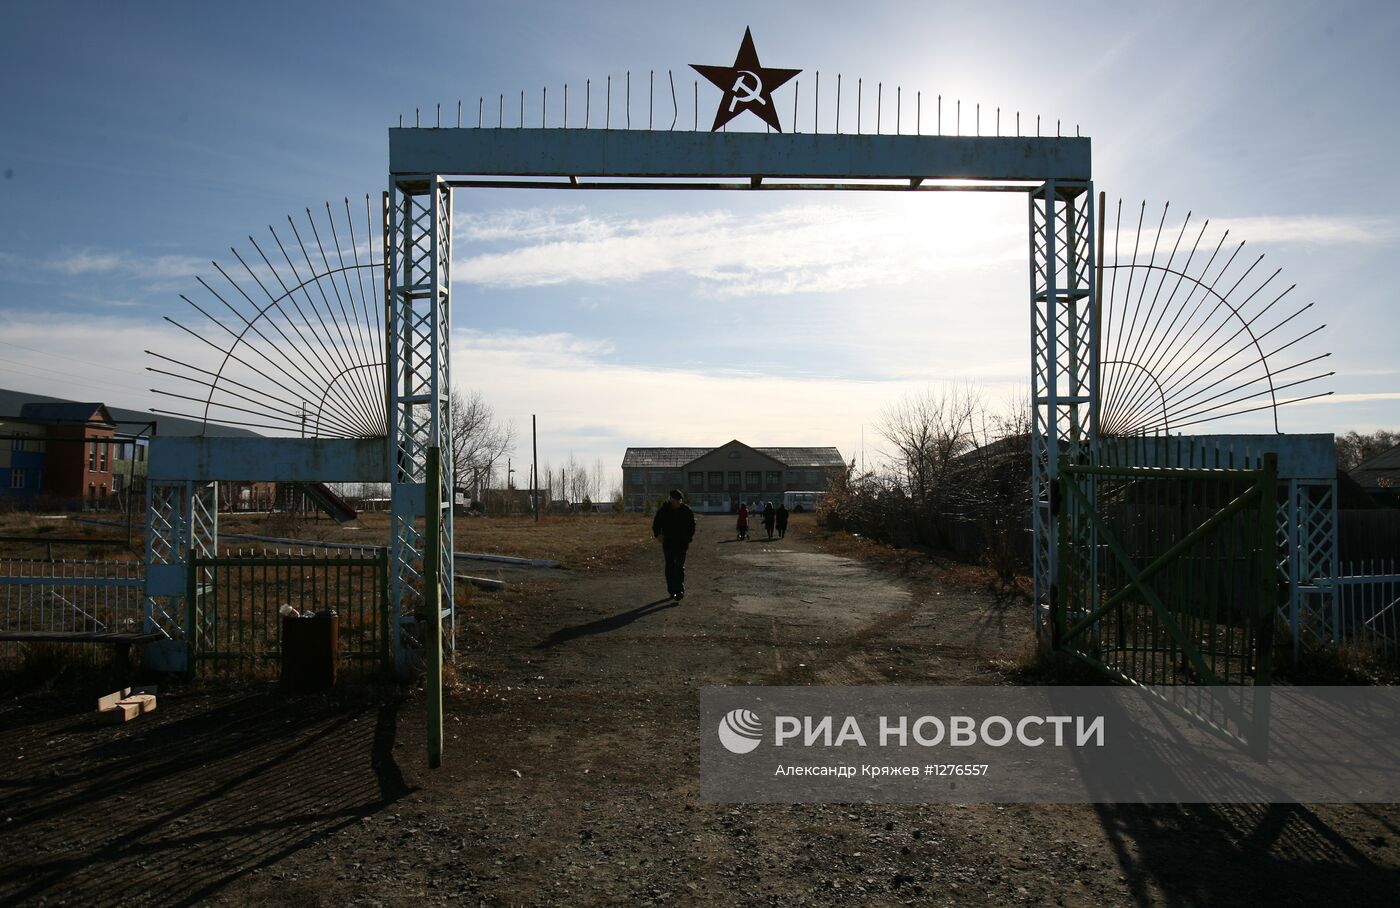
[22,459]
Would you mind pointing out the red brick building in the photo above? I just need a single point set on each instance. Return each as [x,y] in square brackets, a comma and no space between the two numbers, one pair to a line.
[80,450]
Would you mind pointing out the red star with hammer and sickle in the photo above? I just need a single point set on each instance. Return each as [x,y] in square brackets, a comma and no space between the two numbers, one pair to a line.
[747,85]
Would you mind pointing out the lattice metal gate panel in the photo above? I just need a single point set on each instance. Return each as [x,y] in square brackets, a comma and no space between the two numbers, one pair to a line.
[1307,527]
[236,627]
[1180,586]
[182,523]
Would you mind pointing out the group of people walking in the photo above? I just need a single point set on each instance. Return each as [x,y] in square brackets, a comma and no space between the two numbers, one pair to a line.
[772,518]
[674,525]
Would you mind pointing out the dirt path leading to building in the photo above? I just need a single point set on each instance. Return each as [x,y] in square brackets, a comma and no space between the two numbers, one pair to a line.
[571,775]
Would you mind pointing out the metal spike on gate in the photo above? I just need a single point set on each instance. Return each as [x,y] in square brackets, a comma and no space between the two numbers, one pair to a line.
[1194,331]
[292,339]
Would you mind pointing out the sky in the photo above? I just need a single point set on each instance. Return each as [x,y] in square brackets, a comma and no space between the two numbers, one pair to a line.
[142,141]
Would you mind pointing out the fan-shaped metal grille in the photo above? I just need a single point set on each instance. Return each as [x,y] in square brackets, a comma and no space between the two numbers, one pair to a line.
[1195,331]
[292,337]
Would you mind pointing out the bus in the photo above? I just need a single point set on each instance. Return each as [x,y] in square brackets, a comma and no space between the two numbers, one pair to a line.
[797,502]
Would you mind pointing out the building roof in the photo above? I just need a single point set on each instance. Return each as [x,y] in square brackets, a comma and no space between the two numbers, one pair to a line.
[673,458]
[66,411]
[661,457]
[12,403]
[1384,466]
[805,457]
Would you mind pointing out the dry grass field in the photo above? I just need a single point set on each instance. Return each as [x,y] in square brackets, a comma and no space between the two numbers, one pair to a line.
[574,540]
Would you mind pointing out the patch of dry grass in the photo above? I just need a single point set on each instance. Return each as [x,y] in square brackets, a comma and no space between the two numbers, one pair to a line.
[90,541]
[578,541]
[917,562]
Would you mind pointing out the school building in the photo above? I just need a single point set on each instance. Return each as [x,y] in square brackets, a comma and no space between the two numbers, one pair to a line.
[715,480]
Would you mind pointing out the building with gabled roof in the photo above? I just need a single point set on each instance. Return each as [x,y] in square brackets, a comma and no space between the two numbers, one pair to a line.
[1380,475]
[79,438]
[715,480]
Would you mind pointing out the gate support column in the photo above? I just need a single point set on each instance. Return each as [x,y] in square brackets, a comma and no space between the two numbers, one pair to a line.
[182,521]
[1064,361]
[418,235]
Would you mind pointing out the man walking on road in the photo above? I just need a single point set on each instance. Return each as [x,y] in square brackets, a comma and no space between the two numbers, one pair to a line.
[674,525]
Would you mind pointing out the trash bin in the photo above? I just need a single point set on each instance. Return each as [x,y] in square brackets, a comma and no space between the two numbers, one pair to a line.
[309,650]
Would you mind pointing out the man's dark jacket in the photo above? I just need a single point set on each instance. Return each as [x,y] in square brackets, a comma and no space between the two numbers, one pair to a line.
[675,524]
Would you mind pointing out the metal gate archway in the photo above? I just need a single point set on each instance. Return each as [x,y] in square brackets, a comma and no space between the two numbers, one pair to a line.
[426,165]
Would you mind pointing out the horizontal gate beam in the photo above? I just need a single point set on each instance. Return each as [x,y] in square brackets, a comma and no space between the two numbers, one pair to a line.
[201,458]
[638,153]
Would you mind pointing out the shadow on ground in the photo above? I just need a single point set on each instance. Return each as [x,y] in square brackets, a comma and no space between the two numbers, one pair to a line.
[178,804]
[604,625]
[1250,854]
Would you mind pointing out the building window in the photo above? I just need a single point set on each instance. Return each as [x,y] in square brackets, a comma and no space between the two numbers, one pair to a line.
[17,478]
[102,458]
[774,481]
[733,479]
[697,481]
[116,482]
[716,480]
[751,480]
[92,456]
[92,490]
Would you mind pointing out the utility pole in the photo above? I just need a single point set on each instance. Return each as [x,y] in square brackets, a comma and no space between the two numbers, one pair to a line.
[534,467]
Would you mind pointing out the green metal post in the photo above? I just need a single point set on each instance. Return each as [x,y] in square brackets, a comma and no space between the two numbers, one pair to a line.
[382,591]
[1068,578]
[1268,580]
[191,628]
[432,599]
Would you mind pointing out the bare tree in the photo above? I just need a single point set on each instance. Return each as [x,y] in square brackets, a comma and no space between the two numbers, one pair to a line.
[479,441]
[1353,448]
[928,431]
[957,475]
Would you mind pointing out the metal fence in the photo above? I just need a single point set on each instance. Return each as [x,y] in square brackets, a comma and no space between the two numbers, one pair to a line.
[68,597]
[1167,574]
[71,596]
[234,603]
[1367,596]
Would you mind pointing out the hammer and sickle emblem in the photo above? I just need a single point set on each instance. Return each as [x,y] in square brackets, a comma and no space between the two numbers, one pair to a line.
[751,92]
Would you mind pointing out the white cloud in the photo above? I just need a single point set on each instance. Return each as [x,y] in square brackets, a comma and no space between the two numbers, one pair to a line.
[1356,398]
[592,407]
[159,267]
[1301,231]
[796,249]
[99,358]
[1310,230]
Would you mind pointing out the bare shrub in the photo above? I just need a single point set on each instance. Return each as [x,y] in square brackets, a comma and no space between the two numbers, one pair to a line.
[956,477]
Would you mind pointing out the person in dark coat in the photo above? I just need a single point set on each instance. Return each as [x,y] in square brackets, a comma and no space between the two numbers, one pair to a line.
[743,521]
[674,525]
[769,517]
[782,520]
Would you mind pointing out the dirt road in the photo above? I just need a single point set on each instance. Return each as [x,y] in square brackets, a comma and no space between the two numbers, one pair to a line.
[571,774]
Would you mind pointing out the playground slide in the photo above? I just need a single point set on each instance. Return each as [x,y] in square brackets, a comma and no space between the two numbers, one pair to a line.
[335,506]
